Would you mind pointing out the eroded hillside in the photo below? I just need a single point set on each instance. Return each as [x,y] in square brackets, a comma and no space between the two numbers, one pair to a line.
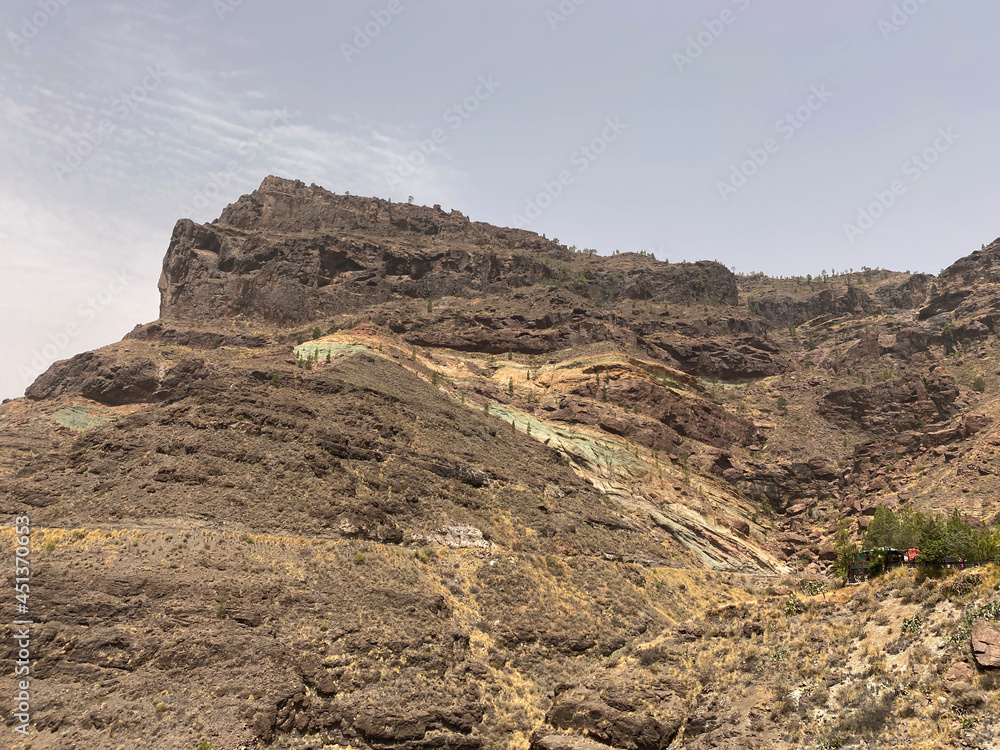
[384,477]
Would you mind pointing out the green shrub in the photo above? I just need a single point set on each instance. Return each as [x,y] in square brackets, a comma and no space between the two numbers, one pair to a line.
[812,588]
[912,625]
[979,384]
[792,605]
[359,558]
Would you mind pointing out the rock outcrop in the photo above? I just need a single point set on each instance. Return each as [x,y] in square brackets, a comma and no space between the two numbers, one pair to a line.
[384,477]
[986,644]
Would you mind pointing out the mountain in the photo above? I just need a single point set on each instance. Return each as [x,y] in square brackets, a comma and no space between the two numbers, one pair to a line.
[381,476]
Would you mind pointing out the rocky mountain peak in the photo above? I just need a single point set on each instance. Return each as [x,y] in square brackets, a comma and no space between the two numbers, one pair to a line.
[290,253]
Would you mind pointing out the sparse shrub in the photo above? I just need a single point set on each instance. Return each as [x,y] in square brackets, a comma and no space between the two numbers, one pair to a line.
[820,696]
[979,384]
[792,606]
[50,545]
[812,588]
[989,612]
[248,539]
[965,698]
[912,625]
[782,404]
[316,333]
[965,585]
[870,717]
[555,566]
[204,745]
[276,380]
[648,656]
[846,550]
[359,558]
[301,339]
[217,343]
[987,681]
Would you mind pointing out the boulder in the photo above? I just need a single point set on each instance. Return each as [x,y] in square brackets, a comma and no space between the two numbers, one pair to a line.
[828,553]
[986,644]
[960,672]
[586,712]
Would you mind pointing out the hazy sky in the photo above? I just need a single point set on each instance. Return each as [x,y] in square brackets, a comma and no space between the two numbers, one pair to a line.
[775,136]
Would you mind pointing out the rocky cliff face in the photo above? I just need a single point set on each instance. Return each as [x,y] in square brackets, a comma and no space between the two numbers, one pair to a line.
[381,476]
[289,254]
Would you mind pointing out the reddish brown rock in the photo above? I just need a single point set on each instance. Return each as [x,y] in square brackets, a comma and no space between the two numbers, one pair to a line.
[960,672]
[986,644]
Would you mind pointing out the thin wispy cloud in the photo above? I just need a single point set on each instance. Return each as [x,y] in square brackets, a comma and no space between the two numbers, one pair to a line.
[103,156]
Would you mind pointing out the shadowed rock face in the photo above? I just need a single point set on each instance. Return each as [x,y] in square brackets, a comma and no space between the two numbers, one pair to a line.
[289,254]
